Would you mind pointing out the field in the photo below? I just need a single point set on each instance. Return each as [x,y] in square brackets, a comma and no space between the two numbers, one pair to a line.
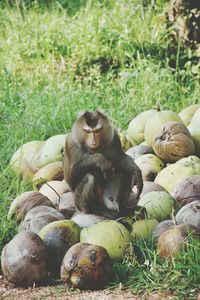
[59,58]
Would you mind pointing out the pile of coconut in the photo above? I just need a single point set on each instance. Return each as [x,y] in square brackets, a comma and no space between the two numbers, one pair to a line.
[56,240]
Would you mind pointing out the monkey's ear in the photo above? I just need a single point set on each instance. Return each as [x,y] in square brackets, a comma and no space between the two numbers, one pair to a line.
[102,113]
[81,113]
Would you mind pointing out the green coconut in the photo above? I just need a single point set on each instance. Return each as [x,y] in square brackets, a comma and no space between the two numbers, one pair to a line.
[52,171]
[125,141]
[52,150]
[59,236]
[159,205]
[174,173]
[111,235]
[143,228]
[136,127]
[196,117]
[194,129]
[150,165]
[187,113]
[156,121]
[24,160]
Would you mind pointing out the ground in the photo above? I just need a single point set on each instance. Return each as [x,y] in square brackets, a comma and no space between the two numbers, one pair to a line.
[60,291]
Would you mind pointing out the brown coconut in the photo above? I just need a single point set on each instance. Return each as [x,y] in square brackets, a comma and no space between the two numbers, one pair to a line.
[187,190]
[189,214]
[139,150]
[162,227]
[173,240]
[173,142]
[24,259]
[25,202]
[38,217]
[150,186]
[87,266]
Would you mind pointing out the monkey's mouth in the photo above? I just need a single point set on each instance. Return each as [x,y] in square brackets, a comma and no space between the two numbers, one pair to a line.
[92,150]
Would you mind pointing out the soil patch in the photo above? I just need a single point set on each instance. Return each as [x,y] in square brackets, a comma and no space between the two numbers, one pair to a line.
[61,291]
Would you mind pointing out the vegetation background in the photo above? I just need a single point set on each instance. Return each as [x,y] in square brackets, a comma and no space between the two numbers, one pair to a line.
[58,57]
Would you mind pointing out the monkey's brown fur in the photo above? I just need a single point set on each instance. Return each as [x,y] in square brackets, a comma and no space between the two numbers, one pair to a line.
[93,151]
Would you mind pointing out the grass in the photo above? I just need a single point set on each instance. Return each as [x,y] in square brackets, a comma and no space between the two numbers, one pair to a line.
[59,58]
[143,270]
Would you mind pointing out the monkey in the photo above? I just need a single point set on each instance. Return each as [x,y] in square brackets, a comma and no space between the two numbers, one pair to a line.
[113,192]
[115,196]
[118,199]
[108,193]
[93,151]
[109,196]
[88,195]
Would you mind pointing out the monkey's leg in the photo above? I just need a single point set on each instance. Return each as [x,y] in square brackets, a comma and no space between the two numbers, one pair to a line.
[84,195]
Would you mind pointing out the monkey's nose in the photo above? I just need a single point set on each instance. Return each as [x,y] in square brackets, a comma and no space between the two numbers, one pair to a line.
[111,198]
[93,145]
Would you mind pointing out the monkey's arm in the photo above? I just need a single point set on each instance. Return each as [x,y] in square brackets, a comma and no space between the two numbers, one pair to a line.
[88,164]
[127,166]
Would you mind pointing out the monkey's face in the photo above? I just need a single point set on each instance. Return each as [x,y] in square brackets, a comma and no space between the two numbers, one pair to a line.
[92,139]
[92,132]
[88,138]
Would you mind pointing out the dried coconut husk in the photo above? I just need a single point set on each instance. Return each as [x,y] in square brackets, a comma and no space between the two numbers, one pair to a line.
[173,142]
[38,217]
[150,186]
[175,239]
[24,259]
[189,214]
[139,150]
[162,227]
[187,190]
[25,202]
[87,266]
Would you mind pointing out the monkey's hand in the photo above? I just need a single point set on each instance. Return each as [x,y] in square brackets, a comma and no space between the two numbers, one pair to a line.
[88,164]
[137,182]
[128,167]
